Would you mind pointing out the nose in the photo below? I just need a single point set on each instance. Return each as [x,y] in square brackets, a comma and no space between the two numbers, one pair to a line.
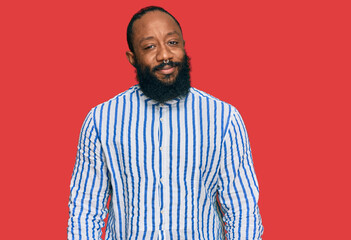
[164,53]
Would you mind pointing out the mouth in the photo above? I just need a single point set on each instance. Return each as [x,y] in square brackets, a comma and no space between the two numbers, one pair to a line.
[166,70]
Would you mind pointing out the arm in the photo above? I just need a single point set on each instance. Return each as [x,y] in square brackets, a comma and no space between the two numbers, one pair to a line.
[89,186]
[237,184]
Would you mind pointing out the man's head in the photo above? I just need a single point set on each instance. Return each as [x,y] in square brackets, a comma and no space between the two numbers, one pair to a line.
[138,15]
[157,52]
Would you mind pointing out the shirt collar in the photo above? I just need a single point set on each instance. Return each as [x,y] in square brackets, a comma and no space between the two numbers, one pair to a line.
[154,102]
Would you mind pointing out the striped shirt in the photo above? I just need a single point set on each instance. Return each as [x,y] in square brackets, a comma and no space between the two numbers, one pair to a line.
[164,166]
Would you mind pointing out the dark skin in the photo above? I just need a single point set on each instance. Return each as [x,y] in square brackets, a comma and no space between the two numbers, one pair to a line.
[157,38]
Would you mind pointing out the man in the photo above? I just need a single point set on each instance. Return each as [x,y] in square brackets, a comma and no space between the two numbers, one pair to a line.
[163,151]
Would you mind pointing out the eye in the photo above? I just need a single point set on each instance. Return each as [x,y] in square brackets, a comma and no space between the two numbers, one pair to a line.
[173,42]
[149,47]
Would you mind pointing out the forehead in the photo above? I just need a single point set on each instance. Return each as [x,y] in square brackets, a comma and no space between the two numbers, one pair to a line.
[154,22]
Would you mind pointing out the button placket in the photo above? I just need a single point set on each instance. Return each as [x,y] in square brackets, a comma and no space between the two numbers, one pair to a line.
[164,141]
[161,156]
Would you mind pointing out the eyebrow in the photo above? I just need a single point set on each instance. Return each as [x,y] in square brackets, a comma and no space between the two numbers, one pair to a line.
[174,32]
[151,37]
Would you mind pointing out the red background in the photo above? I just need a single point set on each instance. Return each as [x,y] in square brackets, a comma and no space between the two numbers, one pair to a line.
[284,64]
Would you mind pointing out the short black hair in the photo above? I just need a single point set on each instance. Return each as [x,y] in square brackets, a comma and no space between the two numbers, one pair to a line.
[137,16]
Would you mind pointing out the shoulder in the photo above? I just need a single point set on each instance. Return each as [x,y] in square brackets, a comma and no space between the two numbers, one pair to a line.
[123,95]
[103,108]
[213,101]
[221,113]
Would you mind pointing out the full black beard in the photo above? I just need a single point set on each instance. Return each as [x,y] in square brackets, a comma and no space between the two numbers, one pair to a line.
[155,89]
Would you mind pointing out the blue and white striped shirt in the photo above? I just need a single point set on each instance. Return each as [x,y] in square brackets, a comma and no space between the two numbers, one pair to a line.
[163,165]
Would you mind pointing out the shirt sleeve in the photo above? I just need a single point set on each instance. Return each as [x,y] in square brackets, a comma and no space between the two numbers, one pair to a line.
[238,190]
[90,186]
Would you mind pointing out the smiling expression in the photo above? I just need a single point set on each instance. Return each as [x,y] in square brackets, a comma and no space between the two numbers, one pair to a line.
[157,38]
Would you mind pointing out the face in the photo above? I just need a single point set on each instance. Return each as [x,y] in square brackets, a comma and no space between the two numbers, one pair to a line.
[157,38]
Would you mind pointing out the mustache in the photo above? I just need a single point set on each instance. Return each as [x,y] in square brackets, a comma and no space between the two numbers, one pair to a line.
[162,65]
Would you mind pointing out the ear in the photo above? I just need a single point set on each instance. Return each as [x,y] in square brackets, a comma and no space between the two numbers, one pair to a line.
[131,57]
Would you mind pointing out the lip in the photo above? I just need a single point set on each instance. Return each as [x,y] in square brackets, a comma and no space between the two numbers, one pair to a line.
[167,71]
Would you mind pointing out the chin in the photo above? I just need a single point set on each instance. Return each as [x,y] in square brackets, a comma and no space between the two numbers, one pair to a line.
[167,80]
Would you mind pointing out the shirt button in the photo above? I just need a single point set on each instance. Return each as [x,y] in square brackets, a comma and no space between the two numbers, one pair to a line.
[161,119]
[161,180]
[161,211]
[161,148]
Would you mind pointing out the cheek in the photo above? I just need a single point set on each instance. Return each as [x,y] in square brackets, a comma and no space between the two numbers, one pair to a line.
[147,61]
[179,53]
[143,58]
